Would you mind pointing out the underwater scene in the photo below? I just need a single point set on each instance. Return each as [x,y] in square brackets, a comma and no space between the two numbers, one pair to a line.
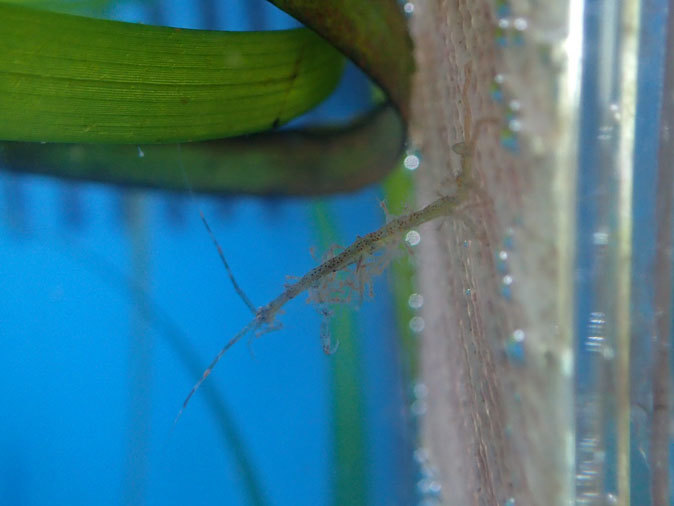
[115,300]
[336,253]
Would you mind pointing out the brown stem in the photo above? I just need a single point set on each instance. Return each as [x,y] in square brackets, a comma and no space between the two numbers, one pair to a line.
[659,455]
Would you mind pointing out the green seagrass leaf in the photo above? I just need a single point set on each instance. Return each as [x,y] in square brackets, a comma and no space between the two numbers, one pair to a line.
[372,33]
[67,78]
[289,163]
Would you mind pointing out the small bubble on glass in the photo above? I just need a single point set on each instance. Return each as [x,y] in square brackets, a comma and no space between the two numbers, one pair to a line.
[520,24]
[600,238]
[418,407]
[515,125]
[417,324]
[428,486]
[411,162]
[421,455]
[413,238]
[605,133]
[420,390]
[415,301]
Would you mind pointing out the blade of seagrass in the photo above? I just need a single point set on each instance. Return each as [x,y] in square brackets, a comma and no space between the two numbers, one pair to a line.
[286,162]
[282,163]
[372,34]
[349,475]
[67,78]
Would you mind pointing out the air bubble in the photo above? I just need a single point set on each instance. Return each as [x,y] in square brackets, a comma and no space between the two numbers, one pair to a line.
[509,502]
[608,353]
[421,455]
[594,343]
[429,486]
[518,335]
[597,318]
[520,24]
[515,105]
[499,78]
[600,238]
[411,162]
[415,301]
[507,280]
[141,153]
[502,262]
[408,8]
[468,291]
[413,238]
[504,23]
[417,324]
[605,133]
[419,407]
[515,125]
[420,390]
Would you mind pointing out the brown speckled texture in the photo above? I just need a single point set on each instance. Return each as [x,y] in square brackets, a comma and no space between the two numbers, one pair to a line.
[495,429]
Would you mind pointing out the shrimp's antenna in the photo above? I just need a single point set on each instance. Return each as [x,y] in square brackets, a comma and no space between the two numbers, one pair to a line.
[239,291]
[252,324]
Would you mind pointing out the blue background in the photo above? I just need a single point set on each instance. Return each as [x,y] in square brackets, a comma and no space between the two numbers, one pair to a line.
[97,280]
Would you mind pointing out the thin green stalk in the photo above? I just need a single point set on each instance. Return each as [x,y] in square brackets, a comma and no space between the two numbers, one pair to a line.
[349,478]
